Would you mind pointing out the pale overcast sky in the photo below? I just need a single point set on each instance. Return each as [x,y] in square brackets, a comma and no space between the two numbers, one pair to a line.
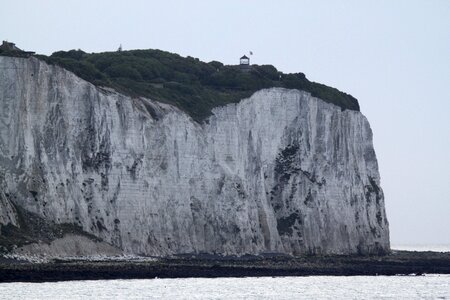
[393,56]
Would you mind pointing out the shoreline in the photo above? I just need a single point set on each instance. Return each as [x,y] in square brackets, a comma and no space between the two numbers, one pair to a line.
[396,263]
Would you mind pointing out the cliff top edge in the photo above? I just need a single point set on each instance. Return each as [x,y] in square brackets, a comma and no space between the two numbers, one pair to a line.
[194,86]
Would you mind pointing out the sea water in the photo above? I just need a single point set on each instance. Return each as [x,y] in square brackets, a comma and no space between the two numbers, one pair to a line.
[313,287]
[422,247]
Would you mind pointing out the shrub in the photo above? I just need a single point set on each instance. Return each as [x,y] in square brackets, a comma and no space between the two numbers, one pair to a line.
[188,83]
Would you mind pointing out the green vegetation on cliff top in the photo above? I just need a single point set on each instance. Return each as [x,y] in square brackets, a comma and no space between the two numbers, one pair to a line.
[192,85]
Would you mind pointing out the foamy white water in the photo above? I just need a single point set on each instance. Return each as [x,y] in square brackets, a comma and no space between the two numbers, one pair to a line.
[314,287]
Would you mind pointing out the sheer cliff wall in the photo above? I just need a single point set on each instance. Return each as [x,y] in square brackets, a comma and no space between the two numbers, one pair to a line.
[280,171]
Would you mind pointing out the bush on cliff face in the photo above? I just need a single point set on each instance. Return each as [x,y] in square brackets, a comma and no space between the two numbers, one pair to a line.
[192,85]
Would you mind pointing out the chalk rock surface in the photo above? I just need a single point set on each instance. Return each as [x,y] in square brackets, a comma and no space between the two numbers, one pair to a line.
[280,172]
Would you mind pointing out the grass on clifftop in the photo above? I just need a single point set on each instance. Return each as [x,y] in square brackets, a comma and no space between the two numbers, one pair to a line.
[194,86]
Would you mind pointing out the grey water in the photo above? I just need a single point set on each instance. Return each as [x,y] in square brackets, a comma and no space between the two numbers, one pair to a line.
[313,287]
[422,247]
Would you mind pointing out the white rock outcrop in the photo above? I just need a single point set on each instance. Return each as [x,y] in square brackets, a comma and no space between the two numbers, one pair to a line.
[281,171]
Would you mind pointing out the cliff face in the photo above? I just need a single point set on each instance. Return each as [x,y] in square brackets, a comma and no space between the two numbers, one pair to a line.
[278,172]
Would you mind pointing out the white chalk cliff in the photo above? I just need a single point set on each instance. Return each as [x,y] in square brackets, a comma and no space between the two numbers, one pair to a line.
[281,171]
